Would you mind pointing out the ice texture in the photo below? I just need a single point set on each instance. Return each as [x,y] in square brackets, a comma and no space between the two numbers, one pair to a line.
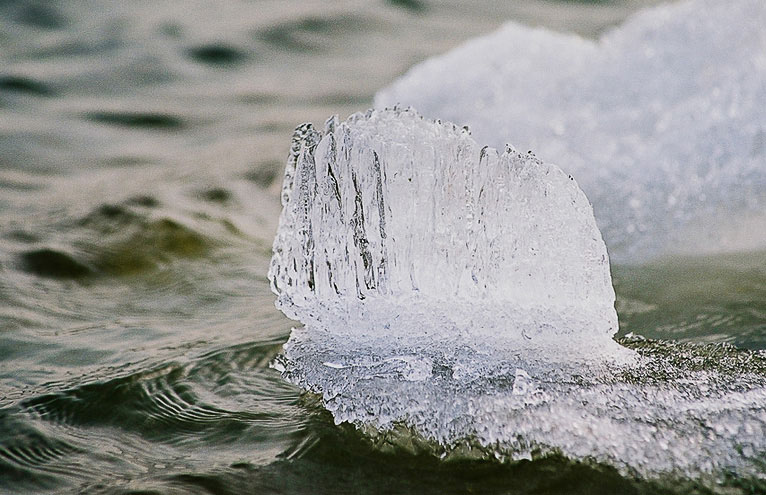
[390,209]
[684,410]
[662,121]
[458,300]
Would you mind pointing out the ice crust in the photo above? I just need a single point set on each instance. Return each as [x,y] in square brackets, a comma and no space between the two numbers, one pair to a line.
[459,299]
[662,121]
[696,411]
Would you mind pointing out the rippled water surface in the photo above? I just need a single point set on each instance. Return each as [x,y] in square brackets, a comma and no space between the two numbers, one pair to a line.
[141,146]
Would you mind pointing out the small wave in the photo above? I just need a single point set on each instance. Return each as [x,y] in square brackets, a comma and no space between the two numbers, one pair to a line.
[31,449]
[118,240]
[309,34]
[156,121]
[414,6]
[52,263]
[155,403]
[217,54]
[40,15]
[19,84]
[152,422]
[32,459]
[168,403]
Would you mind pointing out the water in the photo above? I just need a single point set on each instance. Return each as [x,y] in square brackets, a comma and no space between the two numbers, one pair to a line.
[138,153]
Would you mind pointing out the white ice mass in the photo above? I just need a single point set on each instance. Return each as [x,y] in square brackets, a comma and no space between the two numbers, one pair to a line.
[662,121]
[389,208]
[460,299]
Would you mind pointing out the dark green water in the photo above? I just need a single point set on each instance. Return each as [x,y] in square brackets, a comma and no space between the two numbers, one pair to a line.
[140,151]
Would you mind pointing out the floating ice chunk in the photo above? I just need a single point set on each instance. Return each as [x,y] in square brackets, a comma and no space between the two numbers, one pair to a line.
[388,210]
[462,297]
[662,121]
[413,256]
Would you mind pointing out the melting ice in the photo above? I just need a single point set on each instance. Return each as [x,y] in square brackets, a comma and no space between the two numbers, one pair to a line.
[389,208]
[463,296]
[662,121]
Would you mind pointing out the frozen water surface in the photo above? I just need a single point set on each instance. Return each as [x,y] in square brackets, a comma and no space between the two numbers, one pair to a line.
[459,300]
[662,121]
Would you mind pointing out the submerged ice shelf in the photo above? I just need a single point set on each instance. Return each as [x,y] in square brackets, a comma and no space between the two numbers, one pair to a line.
[662,121]
[463,296]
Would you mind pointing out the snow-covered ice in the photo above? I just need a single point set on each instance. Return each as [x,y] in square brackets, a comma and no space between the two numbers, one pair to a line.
[662,121]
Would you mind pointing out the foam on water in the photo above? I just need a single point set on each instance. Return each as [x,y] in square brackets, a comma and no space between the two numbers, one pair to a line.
[463,297]
[662,121]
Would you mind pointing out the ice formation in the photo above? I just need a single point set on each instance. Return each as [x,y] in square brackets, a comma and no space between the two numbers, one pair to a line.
[461,298]
[390,210]
[662,121]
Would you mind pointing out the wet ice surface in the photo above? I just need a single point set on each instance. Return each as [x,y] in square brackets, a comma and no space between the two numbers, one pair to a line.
[390,210]
[686,410]
[661,121]
[391,206]
[460,300]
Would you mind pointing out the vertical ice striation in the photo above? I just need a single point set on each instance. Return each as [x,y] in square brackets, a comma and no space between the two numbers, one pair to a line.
[662,121]
[388,207]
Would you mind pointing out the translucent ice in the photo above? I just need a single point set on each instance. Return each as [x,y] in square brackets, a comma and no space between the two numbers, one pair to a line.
[459,299]
[662,121]
[391,210]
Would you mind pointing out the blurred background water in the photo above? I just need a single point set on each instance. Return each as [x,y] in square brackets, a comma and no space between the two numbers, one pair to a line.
[141,150]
